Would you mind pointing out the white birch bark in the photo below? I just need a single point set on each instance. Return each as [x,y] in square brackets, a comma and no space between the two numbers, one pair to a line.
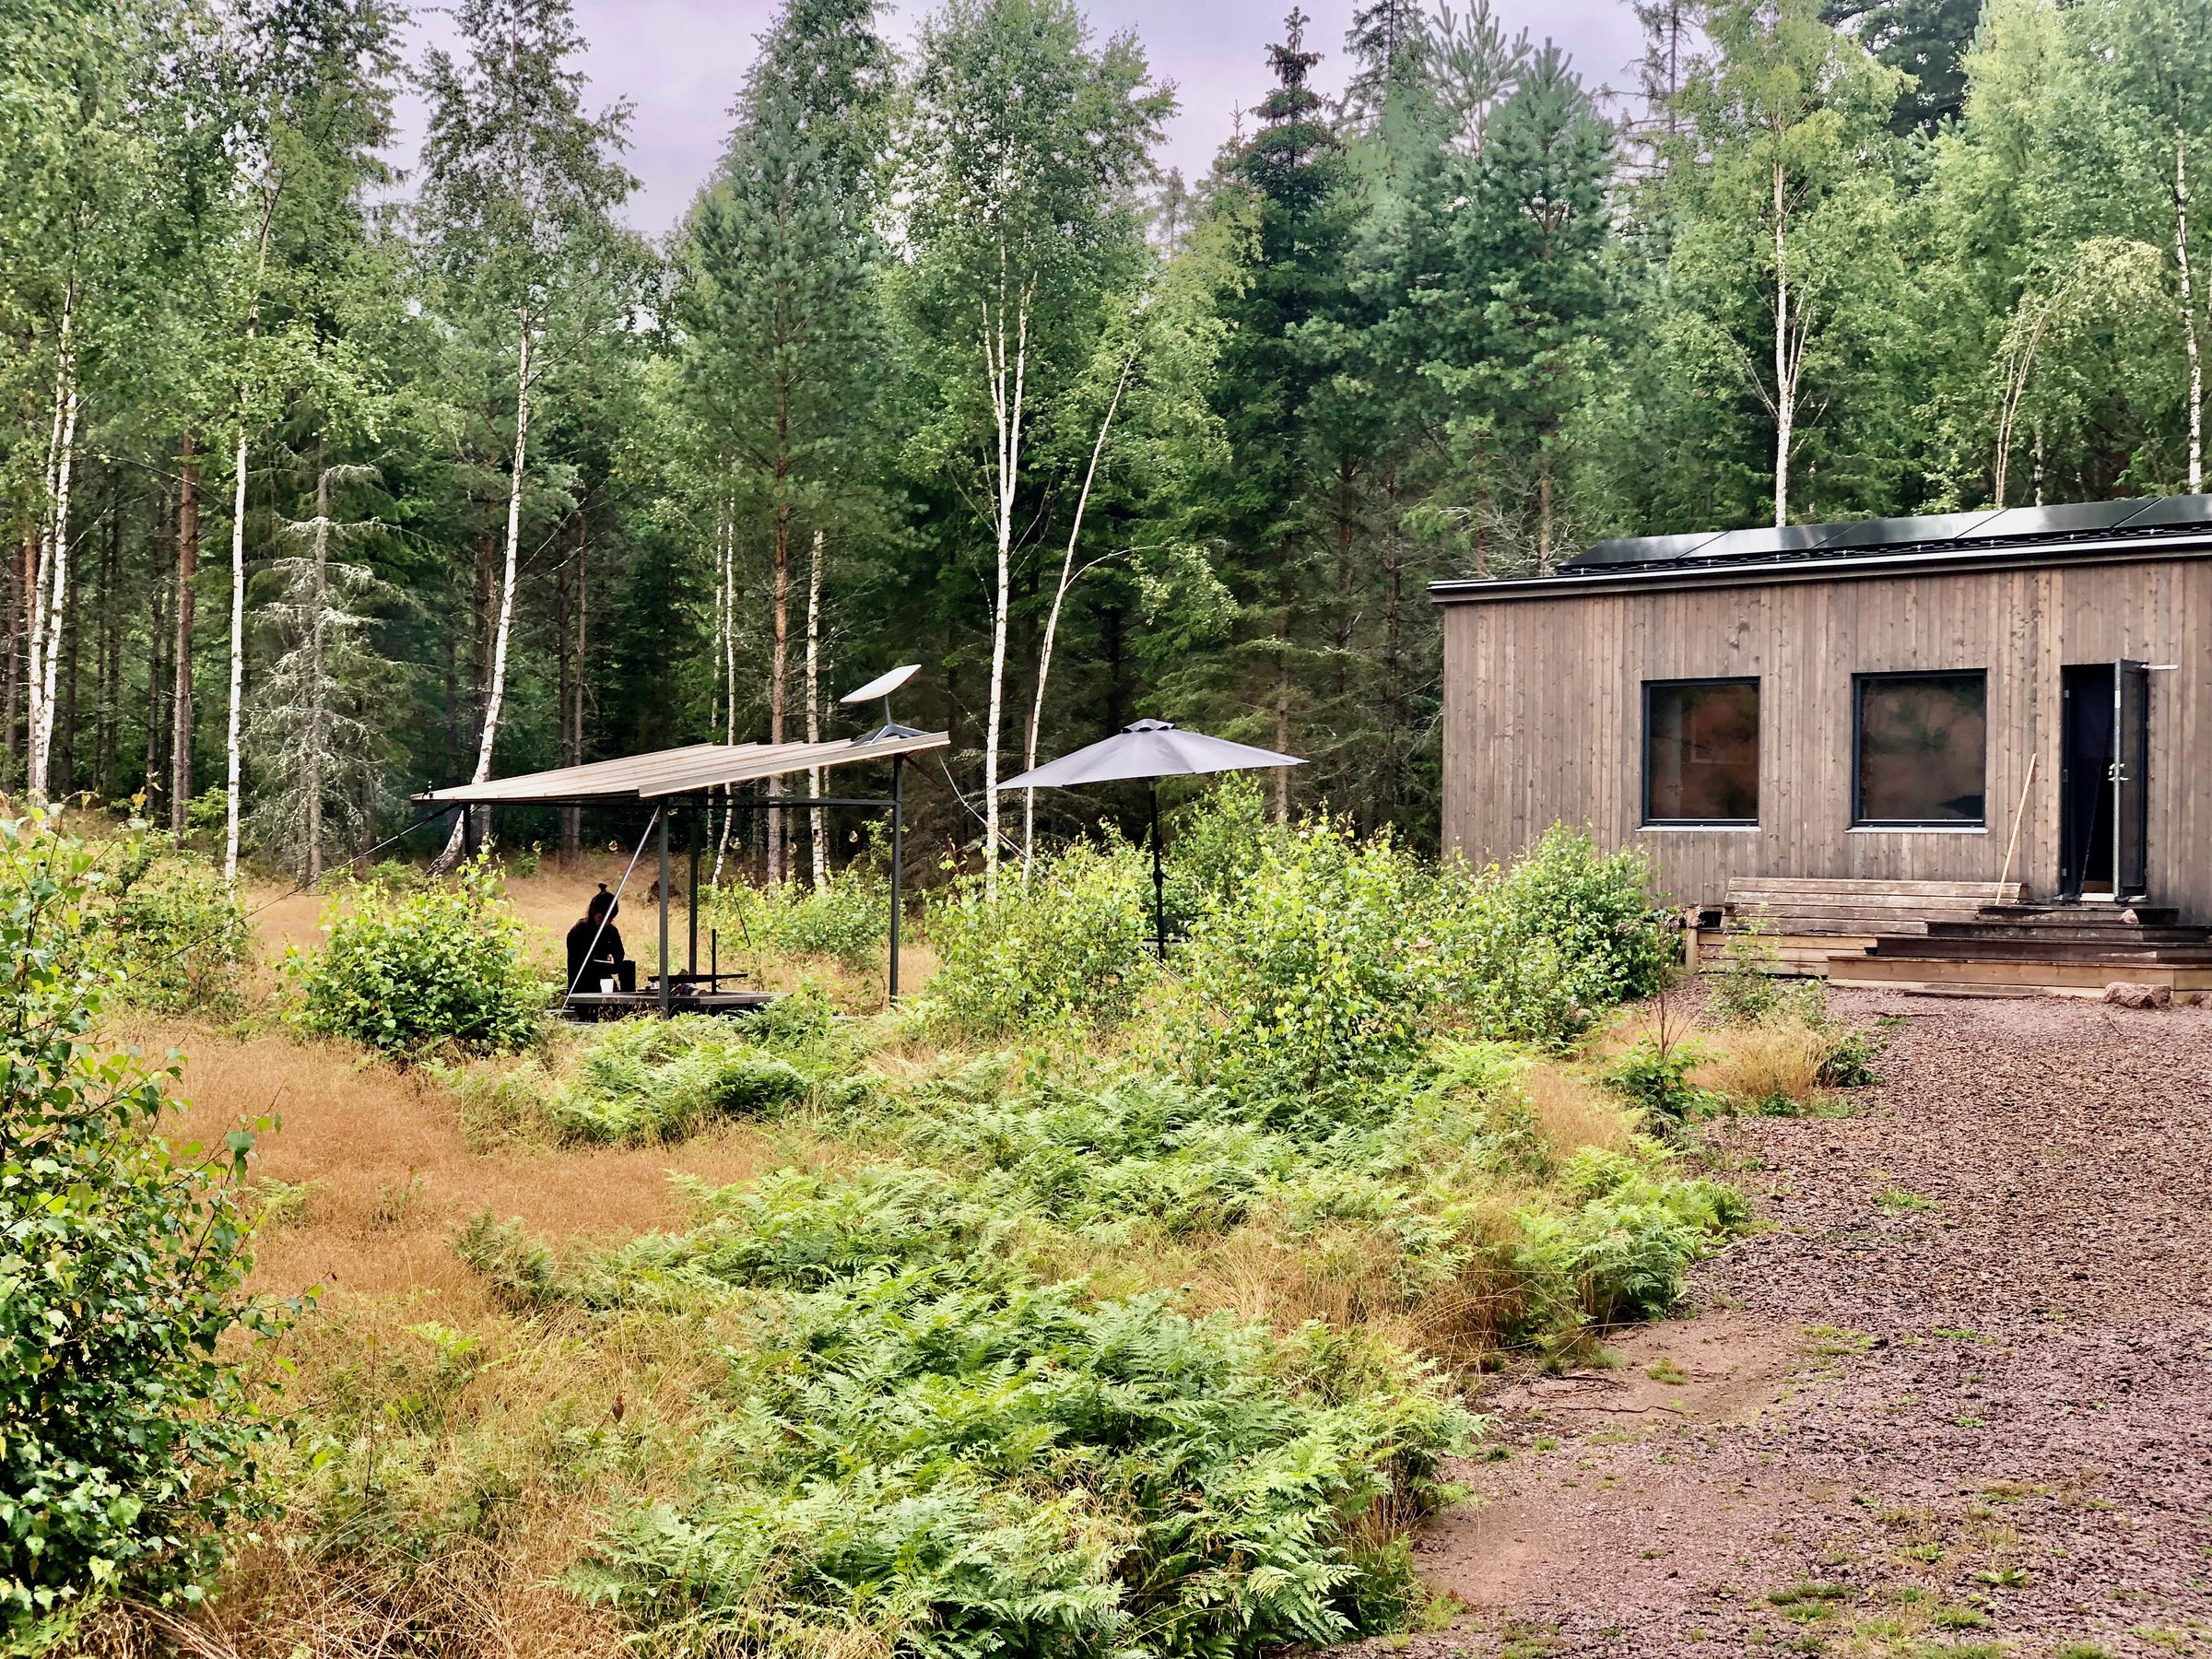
[1006,373]
[1051,622]
[497,691]
[726,552]
[1785,377]
[49,593]
[2189,331]
[56,583]
[816,819]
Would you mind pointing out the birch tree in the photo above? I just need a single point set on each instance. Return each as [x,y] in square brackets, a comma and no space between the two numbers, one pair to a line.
[519,189]
[1783,216]
[1025,145]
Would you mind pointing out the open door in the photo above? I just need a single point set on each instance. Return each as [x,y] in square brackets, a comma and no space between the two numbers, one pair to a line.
[2130,777]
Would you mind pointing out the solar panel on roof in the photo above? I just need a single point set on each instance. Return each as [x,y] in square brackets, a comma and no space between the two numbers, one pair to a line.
[1639,550]
[1865,533]
[1764,538]
[2064,519]
[2173,510]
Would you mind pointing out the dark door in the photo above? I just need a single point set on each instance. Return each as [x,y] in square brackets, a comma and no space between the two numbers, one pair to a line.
[2130,778]
[2085,820]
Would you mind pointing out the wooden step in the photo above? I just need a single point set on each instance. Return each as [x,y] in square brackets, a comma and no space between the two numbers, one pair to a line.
[1924,947]
[2088,979]
[1985,892]
[2081,915]
[2055,933]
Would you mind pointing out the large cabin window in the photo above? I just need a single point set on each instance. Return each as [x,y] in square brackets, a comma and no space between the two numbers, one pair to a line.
[1701,752]
[1920,750]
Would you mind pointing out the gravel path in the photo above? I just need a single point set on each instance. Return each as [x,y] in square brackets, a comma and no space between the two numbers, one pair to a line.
[1956,1397]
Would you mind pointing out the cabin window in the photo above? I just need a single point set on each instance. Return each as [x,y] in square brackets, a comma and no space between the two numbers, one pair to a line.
[1921,750]
[1701,752]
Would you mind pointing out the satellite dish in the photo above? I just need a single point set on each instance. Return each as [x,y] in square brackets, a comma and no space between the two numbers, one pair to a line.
[883,685]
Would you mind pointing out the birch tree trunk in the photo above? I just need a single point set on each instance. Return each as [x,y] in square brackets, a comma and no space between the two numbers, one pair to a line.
[816,816]
[238,659]
[1785,388]
[1007,376]
[53,579]
[188,565]
[726,599]
[2189,329]
[497,691]
[1052,621]
[779,659]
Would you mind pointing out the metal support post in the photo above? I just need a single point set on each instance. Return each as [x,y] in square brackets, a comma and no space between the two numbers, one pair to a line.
[897,862]
[664,913]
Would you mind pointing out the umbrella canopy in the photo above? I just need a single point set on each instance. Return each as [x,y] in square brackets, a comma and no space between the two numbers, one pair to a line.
[1149,749]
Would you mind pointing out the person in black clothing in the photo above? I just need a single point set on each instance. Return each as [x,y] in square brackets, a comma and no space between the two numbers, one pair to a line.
[595,947]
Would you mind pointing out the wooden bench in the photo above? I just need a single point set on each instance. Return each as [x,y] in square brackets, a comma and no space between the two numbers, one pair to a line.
[1808,919]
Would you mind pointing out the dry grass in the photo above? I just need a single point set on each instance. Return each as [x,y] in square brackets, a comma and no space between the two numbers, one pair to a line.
[1764,1067]
[1573,1112]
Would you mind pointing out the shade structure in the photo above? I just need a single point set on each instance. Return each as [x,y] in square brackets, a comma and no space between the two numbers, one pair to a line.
[1148,748]
[1151,749]
[685,778]
[692,770]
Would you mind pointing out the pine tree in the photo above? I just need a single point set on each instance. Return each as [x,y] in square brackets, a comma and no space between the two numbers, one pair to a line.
[783,321]
[1273,500]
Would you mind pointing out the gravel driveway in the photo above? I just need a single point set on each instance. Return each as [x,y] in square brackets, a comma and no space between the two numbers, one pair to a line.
[1954,1398]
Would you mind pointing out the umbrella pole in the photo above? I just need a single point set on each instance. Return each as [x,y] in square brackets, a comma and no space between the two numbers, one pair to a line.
[1160,890]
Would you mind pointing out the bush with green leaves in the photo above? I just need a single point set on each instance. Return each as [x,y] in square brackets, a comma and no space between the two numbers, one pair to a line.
[943,1456]
[176,930]
[846,919]
[129,1435]
[1536,950]
[1068,940]
[443,967]
[1655,1077]
[1312,985]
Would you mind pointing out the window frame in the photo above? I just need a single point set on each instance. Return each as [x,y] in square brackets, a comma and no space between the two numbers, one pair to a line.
[1859,821]
[1759,739]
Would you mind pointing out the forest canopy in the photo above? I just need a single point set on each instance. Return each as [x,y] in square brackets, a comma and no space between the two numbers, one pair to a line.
[324,480]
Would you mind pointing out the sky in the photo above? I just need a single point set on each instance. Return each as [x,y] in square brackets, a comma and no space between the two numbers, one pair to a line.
[680,63]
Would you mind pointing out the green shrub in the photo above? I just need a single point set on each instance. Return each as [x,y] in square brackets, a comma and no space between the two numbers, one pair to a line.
[438,967]
[1068,941]
[1538,950]
[1747,989]
[1214,848]
[846,919]
[1311,988]
[175,931]
[128,1436]
[1657,1078]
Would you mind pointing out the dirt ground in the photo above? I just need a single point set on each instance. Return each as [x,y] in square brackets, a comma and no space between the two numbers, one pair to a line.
[1954,1398]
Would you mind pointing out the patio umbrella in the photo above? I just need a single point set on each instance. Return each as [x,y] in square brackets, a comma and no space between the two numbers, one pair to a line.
[1151,749]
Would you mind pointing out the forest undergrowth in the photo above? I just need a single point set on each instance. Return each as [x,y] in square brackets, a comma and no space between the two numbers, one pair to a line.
[1087,1304]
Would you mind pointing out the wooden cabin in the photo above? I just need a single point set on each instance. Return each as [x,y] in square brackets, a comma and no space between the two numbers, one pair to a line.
[1967,748]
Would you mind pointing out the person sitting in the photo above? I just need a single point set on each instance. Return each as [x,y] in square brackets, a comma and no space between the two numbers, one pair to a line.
[595,947]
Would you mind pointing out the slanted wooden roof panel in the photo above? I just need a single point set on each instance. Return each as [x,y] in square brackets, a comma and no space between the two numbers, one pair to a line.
[678,771]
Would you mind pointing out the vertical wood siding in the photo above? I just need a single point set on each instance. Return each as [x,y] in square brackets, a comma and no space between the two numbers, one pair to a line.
[1543,716]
